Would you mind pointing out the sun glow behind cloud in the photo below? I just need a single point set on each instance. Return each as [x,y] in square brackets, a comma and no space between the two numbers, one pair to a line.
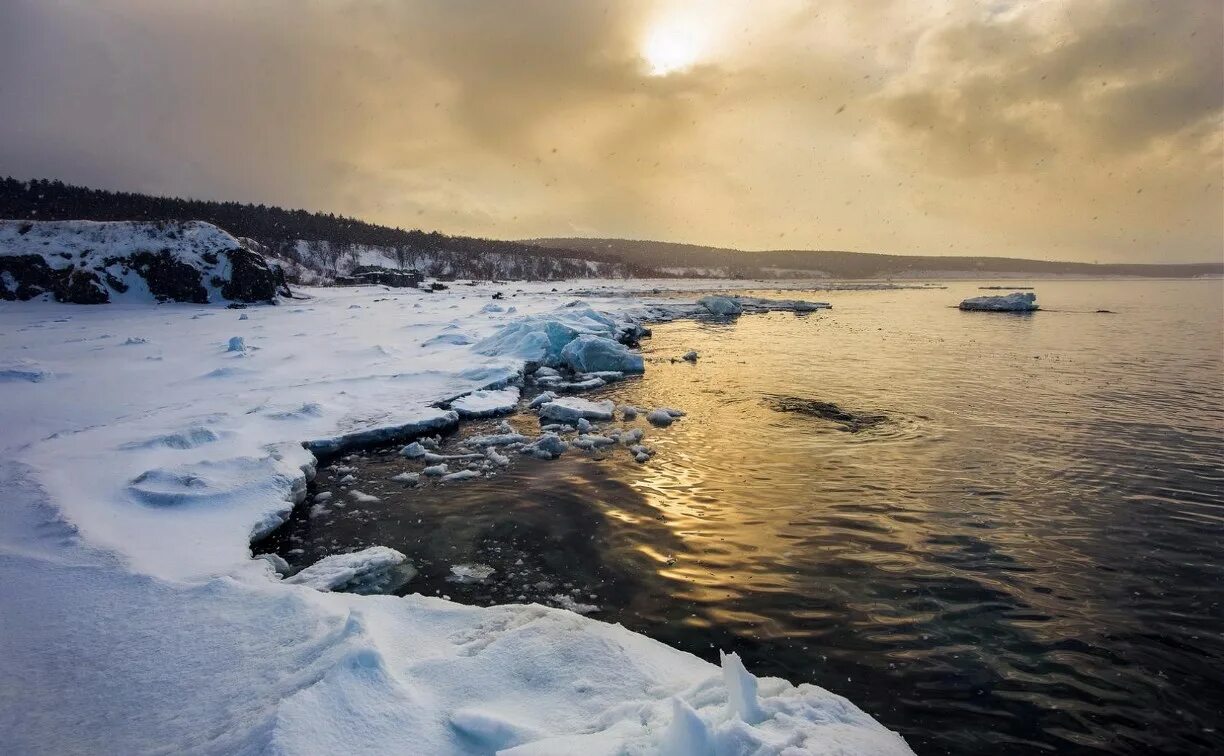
[1069,130]
[671,46]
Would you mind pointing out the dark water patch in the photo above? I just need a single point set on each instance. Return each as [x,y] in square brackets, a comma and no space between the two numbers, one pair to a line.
[1025,557]
[852,422]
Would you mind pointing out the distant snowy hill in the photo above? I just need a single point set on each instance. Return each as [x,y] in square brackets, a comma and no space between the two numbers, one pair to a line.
[315,247]
[84,262]
[697,261]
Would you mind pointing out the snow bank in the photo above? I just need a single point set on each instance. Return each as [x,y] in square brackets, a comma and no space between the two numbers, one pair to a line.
[130,500]
[83,262]
[1019,301]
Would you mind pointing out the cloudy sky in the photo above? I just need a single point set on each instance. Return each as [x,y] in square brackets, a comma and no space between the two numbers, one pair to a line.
[1085,130]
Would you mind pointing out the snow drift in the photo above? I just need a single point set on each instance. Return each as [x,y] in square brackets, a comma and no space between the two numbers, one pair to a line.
[83,262]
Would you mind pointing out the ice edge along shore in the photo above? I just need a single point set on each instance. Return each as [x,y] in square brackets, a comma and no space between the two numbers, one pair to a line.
[146,452]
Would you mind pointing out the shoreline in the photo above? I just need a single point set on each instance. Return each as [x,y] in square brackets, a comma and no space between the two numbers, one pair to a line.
[246,487]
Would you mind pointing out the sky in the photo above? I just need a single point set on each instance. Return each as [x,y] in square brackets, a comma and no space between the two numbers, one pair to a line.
[1090,130]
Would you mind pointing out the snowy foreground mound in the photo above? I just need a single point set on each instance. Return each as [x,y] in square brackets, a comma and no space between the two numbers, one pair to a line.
[1020,301]
[141,455]
[83,262]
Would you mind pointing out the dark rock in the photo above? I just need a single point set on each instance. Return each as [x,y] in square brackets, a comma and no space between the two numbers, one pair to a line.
[29,276]
[82,287]
[251,279]
[170,279]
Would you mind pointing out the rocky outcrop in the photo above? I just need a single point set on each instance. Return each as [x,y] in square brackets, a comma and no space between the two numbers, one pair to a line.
[252,278]
[25,277]
[94,263]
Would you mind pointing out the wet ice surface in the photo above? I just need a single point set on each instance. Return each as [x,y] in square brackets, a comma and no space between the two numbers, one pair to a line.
[1023,555]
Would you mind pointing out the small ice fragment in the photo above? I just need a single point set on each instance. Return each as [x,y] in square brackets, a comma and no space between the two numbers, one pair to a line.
[363,498]
[584,425]
[237,344]
[279,565]
[413,450]
[323,496]
[542,399]
[721,305]
[461,475]
[470,573]
[406,477]
[548,446]
[435,470]
[660,417]
[628,411]
[741,689]
[687,735]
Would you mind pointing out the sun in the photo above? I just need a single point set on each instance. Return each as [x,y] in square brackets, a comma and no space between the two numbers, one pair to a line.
[669,48]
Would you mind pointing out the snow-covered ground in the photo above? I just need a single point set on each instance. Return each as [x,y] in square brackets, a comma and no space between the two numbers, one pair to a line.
[140,453]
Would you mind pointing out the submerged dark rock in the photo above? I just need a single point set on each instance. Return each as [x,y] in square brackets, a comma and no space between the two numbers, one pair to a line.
[852,422]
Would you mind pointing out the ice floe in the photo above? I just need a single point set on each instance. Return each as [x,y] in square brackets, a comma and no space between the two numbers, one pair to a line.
[371,570]
[570,409]
[486,403]
[1019,301]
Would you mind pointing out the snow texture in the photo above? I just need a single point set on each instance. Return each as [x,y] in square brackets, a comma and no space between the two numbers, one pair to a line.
[136,620]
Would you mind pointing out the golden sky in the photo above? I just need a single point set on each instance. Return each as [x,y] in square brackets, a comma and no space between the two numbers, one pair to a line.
[1085,130]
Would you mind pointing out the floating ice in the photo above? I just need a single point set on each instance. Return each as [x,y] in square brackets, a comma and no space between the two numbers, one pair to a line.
[371,570]
[570,409]
[487,402]
[413,450]
[470,573]
[406,477]
[435,470]
[461,475]
[497,439]
[716,305]
[590,354]
[548,446]
[542,399]
[1020,301]
[660,417]
[363,498]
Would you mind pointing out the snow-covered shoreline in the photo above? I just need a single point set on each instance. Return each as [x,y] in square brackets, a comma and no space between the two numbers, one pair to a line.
[143,453]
